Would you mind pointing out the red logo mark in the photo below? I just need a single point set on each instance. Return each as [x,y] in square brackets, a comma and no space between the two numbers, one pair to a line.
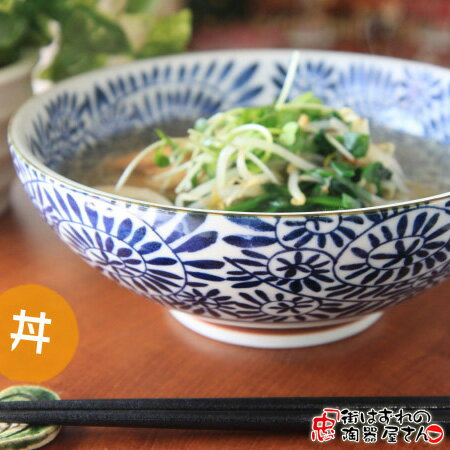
[434,430]
[323,426]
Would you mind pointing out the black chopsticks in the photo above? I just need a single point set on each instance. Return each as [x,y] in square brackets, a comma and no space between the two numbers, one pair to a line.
[270,413]
[230,403]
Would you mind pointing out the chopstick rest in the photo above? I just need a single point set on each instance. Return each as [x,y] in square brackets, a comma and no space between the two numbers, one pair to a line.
[21,434]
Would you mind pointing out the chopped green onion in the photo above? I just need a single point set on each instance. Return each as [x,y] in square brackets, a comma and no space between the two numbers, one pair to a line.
[356,143]
[160,159]
[288,134]
[291,156]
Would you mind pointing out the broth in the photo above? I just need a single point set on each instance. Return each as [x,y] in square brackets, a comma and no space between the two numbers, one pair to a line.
[426,163]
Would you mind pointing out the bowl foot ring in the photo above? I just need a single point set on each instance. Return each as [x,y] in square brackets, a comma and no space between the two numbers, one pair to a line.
[266,338]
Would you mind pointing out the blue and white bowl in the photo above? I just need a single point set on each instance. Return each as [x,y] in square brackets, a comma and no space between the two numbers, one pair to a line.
[245,278]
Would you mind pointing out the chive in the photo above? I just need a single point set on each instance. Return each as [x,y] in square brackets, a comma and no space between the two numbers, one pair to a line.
[340,185]
[325,200]
[349,202]
[249,204]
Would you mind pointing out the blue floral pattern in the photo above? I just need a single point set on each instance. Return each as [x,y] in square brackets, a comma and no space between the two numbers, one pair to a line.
[292,269]
[397,248]
[347,259]
[306,268]
[157,257]
[209,302]
[72,122]
[319,230]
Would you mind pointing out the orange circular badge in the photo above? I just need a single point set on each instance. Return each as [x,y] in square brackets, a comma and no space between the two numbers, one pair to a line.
[38,333]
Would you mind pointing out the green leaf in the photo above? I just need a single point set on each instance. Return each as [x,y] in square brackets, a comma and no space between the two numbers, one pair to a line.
[306,97]
[277,190]
[276,198]
[322,146]
[38,33]
[7,5]
[87,38]
[349,202]
[283,117]
[167,35]
[336,115]
[12,30]
[9,56]
[71,60]
[320,173]
[343,169]
[340,185]
[263,115]
[89,30]
[267,116]
[376,173]
[325,200]
[356,143]
[91,34]
[139,6]
[288,134]
[250,204]
[292,137]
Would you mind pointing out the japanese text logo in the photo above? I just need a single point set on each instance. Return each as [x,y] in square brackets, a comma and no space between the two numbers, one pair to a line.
[38,333]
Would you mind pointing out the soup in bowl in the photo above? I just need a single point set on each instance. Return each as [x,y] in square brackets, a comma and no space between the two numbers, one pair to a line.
[342,247]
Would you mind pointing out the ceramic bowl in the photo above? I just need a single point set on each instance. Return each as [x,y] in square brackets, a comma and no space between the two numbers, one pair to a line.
[15,88]
[263,280]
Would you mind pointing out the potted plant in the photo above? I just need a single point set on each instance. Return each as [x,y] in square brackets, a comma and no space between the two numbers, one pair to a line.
[84,35]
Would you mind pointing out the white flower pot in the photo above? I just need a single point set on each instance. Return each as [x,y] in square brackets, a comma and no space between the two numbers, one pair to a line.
[15,88]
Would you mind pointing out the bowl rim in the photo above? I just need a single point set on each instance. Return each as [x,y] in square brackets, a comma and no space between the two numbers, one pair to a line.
[14,129]
[20,67]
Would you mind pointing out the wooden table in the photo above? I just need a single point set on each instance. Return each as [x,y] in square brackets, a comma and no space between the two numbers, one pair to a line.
[130,347]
